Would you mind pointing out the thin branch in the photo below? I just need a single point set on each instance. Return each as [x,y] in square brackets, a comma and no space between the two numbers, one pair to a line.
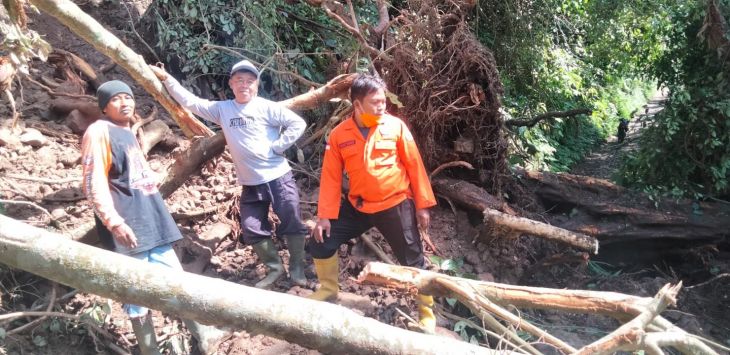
[51,303]
[708,281]
[633,332]
[137,125]
[131,24]
[450,165]
[55,93]
[469,299]
[27,203]
[296,76]
[529,122]
[473,325]
[42,180]
[376,249]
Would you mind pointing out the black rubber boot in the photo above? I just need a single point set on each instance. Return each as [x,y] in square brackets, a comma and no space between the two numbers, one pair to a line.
[144,331]
[295,243]
[209,338]
[267,253]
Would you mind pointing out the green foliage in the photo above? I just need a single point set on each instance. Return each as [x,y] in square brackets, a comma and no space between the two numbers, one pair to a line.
[562,55]
[205,38]
[687,149]
[22,46]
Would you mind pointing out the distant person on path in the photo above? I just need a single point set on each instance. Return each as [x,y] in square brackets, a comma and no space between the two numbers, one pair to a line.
[257,131]
[389,189]
[623,127]
[131,217]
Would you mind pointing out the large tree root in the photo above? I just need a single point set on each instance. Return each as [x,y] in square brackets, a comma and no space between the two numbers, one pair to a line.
[487,298]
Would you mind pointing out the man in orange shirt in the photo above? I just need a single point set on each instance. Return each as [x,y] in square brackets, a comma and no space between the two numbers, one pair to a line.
[388,189]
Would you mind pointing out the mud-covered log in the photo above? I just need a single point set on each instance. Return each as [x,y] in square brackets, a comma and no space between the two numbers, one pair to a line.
[105,42]
[531,227]
[318,325]
[468,195]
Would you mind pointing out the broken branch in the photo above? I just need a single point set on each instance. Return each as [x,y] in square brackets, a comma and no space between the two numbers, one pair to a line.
[529,122]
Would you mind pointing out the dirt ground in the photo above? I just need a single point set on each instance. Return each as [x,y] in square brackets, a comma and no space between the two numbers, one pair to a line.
[703,307]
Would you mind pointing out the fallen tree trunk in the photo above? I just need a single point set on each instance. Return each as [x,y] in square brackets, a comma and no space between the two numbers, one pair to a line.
[335,88]
[317,325]
[613,214]
[469,195]
[506,224]
[87,28]
[480,296]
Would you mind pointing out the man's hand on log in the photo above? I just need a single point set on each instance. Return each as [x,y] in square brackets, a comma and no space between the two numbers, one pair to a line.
[159,70]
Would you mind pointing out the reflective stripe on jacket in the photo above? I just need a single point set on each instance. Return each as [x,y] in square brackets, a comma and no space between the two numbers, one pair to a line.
[384,169]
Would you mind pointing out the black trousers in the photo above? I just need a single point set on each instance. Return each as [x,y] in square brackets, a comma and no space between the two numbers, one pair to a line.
[397,224]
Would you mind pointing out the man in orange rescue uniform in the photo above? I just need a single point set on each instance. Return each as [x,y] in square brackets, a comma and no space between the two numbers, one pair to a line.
[389,189]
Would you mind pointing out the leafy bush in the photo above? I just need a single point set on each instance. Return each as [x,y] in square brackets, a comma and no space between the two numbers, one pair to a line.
[687,149]
[562,55]
[205,38]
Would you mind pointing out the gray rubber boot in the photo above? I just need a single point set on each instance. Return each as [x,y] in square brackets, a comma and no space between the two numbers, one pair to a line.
[209,338]
[295,243]
[267,253]
[144,331]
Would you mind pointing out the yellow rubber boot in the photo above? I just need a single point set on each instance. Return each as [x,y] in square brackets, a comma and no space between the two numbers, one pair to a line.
[426,318]
[328,271]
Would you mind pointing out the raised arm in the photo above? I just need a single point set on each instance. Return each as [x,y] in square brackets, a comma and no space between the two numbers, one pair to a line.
[205,109]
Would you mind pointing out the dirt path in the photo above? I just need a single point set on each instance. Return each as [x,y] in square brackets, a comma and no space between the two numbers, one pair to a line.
[606,160]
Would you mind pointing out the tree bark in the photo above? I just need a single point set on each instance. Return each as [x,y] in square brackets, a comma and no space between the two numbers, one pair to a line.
[531,227]
[474,197]
[317,325]
[469,195]
[616,305]
[335,88]
[87,28]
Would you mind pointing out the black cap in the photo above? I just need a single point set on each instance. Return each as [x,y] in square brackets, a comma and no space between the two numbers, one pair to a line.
[109,89]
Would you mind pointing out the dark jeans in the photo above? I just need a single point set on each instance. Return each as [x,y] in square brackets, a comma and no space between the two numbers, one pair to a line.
[282,195]
[397,224]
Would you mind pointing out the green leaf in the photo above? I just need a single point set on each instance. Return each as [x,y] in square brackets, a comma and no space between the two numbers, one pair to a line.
[2,333]
[436,259]
[459,326]
[55,326]
[39,341]
[451,301]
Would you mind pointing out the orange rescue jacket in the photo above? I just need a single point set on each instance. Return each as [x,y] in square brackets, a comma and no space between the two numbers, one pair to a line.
[384,169]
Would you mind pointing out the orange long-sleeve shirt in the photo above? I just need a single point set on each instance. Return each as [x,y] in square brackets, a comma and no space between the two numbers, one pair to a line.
[384,169]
